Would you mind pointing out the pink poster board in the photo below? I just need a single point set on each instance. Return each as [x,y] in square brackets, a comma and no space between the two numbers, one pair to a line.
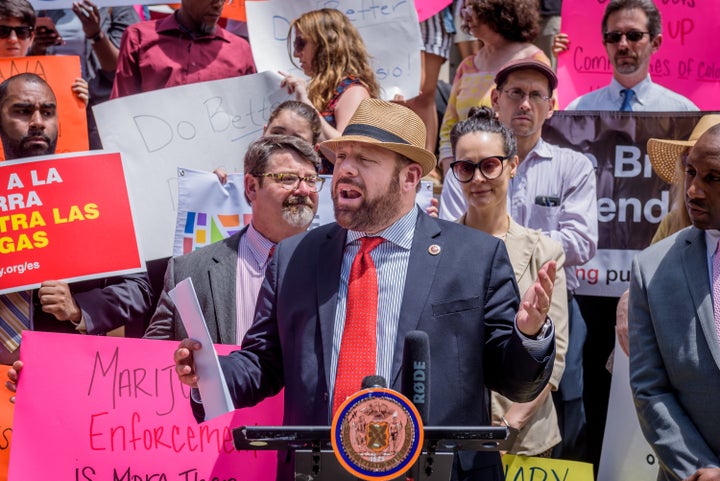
[96,408]
[427,8]
[687,61]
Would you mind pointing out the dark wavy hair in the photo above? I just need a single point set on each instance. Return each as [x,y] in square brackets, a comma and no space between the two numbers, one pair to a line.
[483,119]
[18,9]
[654,23]
[515,20]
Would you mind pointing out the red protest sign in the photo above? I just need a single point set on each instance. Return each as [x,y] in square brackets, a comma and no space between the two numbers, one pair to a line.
[65,217]
[59,72]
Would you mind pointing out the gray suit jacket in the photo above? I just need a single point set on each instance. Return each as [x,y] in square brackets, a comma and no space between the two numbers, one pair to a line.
[675,354]
[213,270]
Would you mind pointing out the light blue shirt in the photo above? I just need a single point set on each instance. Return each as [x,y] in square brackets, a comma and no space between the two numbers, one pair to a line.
[555,174]
[391,259]
[649,97]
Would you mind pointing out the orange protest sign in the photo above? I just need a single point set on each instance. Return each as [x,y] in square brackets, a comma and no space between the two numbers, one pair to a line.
[7,411]
[59,72]
[235,9]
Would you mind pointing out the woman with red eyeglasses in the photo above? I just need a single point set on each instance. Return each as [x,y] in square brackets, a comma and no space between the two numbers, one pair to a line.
[485,153]
[330,51]
[17,32]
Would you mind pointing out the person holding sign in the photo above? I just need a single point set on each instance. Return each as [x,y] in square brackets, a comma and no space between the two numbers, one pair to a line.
[632,33]
[505,29]
[281,184]
[17,34]
[332,53]
[317,313]
[486,153]
[29,127]
[674,329]
[183,48]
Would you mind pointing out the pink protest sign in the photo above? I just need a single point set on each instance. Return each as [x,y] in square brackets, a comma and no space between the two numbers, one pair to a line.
[97,408]
[427,8]
[686,62]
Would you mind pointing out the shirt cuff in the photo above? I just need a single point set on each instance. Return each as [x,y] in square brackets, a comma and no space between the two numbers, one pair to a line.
[538,346]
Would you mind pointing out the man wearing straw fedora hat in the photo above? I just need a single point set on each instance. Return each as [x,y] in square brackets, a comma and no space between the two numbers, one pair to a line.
[313,336]
[674,326]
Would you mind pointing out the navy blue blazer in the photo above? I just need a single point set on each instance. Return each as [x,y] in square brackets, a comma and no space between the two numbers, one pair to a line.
[465,298]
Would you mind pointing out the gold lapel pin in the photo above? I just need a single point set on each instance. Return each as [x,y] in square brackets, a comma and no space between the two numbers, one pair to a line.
[434,250]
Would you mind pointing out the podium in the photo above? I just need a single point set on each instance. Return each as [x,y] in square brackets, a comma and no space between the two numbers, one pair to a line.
[315,460]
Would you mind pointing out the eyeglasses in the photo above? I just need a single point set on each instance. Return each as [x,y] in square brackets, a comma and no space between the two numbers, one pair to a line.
[489,167]
[22,33]
[299,43]
[631,36]
[292,181]
[518,95]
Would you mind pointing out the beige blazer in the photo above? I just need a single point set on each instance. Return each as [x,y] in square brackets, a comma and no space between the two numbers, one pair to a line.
[529,250]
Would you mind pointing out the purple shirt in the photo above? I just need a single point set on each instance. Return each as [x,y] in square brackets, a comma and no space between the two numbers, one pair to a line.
[162,53]
[253,257]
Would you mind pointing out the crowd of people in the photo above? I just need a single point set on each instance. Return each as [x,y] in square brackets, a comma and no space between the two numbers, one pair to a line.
[490,275]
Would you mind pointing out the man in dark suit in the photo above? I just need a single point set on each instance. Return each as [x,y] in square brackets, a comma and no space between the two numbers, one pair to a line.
[452,282]
[674,329]
[29,127]
[281,207]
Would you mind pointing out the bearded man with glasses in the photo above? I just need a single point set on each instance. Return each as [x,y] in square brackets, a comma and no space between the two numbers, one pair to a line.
[632,33]
[281,185]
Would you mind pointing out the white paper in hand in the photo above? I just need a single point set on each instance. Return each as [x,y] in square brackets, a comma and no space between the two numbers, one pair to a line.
[211,381]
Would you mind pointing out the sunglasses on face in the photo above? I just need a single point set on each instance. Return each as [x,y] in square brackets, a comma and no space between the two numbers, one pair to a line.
[22,33]
[489,167]
[631,36]
[299,43]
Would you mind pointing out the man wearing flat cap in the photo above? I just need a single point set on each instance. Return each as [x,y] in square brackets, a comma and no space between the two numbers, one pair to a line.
[338,301]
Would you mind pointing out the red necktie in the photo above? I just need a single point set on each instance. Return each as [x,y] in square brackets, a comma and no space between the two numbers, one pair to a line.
[359,344]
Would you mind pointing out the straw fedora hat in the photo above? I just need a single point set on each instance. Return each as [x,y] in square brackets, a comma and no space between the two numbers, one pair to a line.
[664,153]
[389,126]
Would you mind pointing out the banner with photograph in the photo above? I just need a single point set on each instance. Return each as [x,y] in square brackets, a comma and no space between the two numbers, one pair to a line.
[62,217]
[119,412]
[632,199]
[686,62]
[59,72]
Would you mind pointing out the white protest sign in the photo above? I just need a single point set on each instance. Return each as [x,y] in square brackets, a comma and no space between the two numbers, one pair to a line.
[389,29]
[198,126]
[626,456]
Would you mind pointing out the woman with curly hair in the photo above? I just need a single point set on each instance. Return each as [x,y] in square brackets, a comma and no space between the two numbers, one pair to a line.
[506,30]
[331,52]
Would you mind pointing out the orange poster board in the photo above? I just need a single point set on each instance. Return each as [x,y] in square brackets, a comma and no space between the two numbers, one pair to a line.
[59,72]
[235,9]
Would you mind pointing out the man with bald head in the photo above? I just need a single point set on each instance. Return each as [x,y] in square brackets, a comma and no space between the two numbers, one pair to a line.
[674,327]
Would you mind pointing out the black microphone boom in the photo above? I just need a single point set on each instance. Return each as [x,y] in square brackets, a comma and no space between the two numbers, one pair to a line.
[373,381]
[416,372]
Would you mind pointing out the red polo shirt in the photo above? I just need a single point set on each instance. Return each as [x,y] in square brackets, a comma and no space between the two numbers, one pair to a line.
[162,53]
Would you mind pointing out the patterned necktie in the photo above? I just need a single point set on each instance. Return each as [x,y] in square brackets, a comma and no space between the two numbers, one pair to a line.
[628,96]
[716,289]
[358,348]
[14,318]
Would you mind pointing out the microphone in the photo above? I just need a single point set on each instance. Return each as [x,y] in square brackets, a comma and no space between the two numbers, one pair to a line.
[416,372]
[373,381]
